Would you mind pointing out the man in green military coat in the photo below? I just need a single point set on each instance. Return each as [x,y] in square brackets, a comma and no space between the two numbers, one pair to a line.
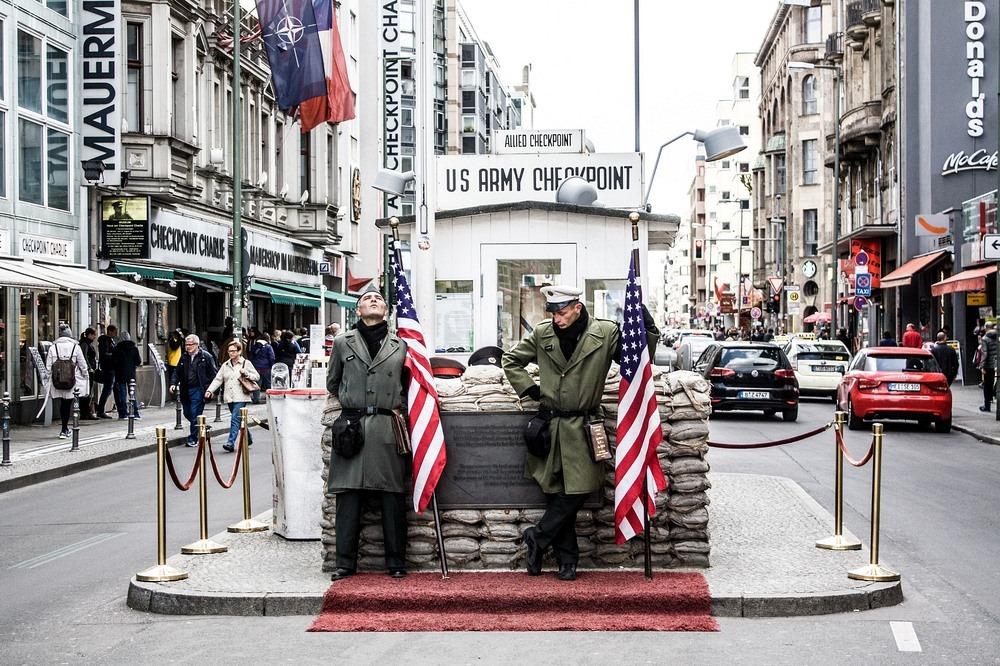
[574,352]
[366,375]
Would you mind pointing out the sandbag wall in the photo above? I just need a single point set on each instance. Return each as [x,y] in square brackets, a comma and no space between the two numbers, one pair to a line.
[491,538]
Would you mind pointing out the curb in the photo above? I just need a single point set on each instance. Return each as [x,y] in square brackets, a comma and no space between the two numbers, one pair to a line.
[987,439]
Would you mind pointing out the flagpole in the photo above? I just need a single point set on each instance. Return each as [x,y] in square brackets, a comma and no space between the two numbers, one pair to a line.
[237,306]
[646,549]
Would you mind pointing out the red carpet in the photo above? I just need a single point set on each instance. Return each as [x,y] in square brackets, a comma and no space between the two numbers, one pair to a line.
[514,601]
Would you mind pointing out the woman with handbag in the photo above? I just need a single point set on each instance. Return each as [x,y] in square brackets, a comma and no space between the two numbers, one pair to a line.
[238,379]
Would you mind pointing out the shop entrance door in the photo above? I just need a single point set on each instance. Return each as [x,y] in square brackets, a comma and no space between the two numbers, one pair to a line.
[513,273]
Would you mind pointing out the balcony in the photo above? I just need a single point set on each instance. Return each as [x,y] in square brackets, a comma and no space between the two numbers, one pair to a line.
[856,28]
[835,47]
[860,132]
[871,13]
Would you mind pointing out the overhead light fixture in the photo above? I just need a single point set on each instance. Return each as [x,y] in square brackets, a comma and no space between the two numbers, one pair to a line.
[577,191]
[93,170]
[720,142]
[392,182]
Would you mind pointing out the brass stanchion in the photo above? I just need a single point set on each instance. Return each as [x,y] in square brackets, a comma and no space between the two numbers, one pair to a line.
[204,545]
[875,571]
[248,524]
[178,408]
[162,571]
[838,541]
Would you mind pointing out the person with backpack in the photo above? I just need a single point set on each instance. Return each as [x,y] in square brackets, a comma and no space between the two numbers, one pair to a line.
[68,373]
[125,359]
[105,347]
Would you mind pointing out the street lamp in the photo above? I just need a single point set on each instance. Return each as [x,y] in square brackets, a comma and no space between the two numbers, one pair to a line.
[719,143]
[834,251]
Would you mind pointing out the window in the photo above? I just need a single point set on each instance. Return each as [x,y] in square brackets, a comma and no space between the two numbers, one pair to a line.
[698,246]
[744,167]
[3,60]
[779,174]
[29,71]
[468,145]
[305,163]
[725,195]
[57,169]
[726,225]
[407,117]
[279,160]
[453,315]
[468,101]
[30,163]
[812,25]
[725,256]
[810,173]
[468,123]
[57,84]
[725,164]
[331,171]
[810,239]
[3,157]
[58,6]
[177,86]
[468,78]
[744,130]
[133,83]
[809,95]
[743,87]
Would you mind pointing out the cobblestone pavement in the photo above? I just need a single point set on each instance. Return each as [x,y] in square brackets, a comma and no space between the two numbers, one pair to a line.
[764,562]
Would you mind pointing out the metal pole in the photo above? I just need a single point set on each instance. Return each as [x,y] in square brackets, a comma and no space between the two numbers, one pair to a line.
[76,420]
[837,541]
[237,307]
[875,571]
[161,572]
[130,406]
[204,545]
[635,30]
[178,408]
[440,539]
[647,549]
[248,524]
[5,425]
[834,251]
[218,406]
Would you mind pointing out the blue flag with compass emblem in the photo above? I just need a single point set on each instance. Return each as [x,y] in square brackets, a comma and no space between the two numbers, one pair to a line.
[294,51]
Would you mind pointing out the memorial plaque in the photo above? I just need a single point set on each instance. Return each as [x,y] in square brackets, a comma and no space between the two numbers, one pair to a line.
[125,227]
[485,467]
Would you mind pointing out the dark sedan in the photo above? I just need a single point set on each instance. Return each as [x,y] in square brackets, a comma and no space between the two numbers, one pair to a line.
[750,376]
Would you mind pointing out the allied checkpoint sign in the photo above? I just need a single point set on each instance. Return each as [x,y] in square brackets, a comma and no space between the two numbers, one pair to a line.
[464,181]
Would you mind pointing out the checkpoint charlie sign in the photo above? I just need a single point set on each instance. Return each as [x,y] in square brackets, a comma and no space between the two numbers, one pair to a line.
[464,181]
[520,141]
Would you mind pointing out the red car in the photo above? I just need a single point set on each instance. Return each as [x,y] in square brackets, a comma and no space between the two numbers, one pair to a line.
[895,383]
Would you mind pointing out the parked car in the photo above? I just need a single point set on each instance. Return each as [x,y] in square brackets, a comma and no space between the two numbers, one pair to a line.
[818,365]
[895,383]
[750,376]
[689,346]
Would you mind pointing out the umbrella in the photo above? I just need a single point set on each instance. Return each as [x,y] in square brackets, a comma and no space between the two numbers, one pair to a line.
[817,317]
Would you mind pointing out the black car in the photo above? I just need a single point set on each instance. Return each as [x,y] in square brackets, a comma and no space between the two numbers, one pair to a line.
[750,375]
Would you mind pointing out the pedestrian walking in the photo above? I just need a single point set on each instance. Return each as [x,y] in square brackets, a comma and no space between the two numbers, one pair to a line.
[261,355]
[912,337]
[573,352]
[887,340]
[234,377]
[946,357]
[125,359]
[105,348]
[287,349]
[175,347]
[87,342]
[190,380]
[988,364]
[68,372]
[365,375]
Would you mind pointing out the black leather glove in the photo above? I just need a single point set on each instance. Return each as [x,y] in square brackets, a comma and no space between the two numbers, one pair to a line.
[648,321]
[532,393]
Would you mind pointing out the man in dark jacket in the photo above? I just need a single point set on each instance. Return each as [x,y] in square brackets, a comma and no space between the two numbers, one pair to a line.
[105,346]
[190,379]
[287,349]
[125,359]
[90,354]
[988,351]
[946,357]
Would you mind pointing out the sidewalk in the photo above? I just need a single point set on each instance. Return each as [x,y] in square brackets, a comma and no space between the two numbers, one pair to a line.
[966,417]
[39,455]
[764,564]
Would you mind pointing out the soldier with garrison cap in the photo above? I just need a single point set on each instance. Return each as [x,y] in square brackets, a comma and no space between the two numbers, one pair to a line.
[573,351]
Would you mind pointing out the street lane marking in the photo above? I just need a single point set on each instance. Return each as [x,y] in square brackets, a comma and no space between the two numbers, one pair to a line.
[65,550]
[906,637]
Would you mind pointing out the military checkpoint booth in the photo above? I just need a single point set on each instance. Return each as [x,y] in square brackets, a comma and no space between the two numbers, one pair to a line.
[490,261]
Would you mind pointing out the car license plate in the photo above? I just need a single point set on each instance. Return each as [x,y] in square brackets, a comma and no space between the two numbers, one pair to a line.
[825,368]
[904,387]
[754,395]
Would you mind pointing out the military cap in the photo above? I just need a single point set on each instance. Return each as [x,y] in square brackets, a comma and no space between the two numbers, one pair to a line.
[446,367]
[486,356]
[559,296]
[371,288]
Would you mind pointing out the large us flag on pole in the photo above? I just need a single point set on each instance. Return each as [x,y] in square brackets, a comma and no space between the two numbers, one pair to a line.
[638,432]
[426,435]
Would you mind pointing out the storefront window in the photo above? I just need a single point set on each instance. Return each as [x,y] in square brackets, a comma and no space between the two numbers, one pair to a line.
[521,304]
[453,312]
[979,215]
[3,340]
[26,330]
[605,299]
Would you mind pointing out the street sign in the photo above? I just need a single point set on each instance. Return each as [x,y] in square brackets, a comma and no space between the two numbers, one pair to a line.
[776,283]
[991,246]
[755,312]
[861,258]
[937,224]
[860,302]
[863,284]
[793,298]
[324,268]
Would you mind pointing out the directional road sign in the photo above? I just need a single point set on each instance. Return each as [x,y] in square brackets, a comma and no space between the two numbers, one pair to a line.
[991,246]
[863,284]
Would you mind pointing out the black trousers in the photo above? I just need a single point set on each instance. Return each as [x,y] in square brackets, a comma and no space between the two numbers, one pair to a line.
[65,411]
[350,504]
[557,528]
[989,376]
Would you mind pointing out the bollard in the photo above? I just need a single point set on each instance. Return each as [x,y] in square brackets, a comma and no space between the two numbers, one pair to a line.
[218,405]
[248,524]
[875,571]
[838,541]
[162,571]
[76,420]
[130,409]
[178,408]
[204,545]
[5,424]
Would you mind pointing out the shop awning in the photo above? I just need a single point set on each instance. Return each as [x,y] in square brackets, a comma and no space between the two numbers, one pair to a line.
[147,272]
[282,297]
[903,276]
[216,279]
[342,300]
[10,278]
[973,279]
[76,279]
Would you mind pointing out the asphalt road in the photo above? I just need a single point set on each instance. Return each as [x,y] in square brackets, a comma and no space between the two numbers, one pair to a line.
[69,547]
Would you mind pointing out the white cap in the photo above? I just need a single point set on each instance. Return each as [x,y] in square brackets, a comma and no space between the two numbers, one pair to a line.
[559,296]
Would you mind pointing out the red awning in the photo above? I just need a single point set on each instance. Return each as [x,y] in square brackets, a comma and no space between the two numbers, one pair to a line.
[973,279]
[903,276]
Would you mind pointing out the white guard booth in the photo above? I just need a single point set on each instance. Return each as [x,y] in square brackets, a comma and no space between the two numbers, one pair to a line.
[298,461]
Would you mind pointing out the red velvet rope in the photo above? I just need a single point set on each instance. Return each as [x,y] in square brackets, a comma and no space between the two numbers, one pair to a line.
[194,472]
[236,462]
[847,454]
[777,442]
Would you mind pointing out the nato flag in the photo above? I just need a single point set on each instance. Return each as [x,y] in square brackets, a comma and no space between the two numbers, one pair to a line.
[294,52]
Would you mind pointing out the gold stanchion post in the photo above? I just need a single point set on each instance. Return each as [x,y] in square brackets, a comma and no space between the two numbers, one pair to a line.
[875,571]
[162,572]
[204,545]
[838,541]
[248,524]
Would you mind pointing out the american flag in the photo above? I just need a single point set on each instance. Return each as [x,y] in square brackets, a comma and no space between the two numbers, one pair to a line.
[638,432]
[426,435]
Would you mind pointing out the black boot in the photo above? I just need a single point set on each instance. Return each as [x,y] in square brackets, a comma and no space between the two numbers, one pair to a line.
[566,572]
[341,573]
[533,560]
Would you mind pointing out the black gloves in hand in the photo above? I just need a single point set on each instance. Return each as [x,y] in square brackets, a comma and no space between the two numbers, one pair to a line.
[533,393]
[648,321]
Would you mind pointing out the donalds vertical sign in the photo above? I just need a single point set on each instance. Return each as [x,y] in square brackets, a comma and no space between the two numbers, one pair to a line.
[100,47]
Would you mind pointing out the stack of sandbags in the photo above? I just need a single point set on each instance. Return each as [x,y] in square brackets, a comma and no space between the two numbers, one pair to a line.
[481,388]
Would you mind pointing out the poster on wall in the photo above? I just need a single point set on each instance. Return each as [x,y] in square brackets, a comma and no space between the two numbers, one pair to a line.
[125,227]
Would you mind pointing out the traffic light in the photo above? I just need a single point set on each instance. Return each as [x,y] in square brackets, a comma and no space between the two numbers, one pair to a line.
[774,304]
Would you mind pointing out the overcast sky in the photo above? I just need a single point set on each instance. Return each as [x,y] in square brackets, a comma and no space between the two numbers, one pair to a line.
[581,53]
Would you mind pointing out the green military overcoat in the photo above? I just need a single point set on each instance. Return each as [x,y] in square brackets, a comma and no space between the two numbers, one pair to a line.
[359,381]
[574,385]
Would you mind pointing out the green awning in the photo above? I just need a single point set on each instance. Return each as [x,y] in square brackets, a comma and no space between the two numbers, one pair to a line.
[775,143]
[215,278]
[282,297]
[147,272]
[340,299]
